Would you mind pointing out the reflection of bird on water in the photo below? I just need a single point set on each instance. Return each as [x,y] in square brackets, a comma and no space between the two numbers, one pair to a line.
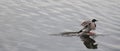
[88,42]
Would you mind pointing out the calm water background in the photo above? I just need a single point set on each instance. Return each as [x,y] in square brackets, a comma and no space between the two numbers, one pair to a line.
[25,25]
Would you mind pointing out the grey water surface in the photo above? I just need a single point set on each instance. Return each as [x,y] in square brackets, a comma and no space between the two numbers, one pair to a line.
[26,25]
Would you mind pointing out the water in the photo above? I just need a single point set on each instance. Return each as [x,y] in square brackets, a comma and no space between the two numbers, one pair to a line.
[25,25]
